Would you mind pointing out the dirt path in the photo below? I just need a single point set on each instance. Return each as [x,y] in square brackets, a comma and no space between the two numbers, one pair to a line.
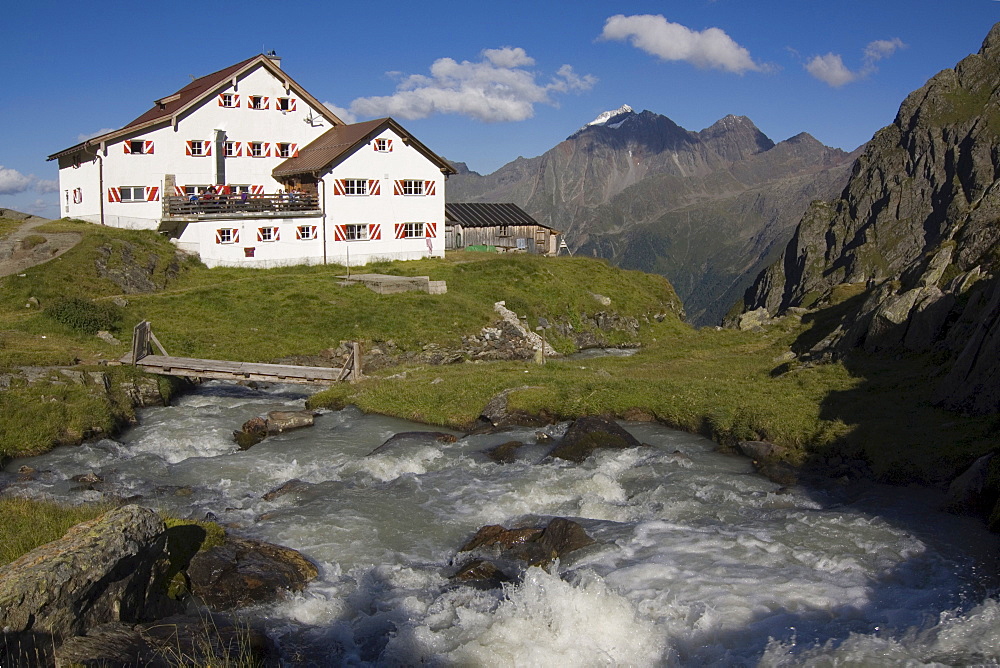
[16,256]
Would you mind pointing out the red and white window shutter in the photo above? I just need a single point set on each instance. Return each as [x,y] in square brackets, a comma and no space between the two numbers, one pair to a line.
[206,148]
[233,97]
[374,187]
[382,145]
[428,187]
[430,230]
[153,193]
[114,195]
[147,146]
[273,234]
[305,232]
[227,235]
[374,232]
[340,232]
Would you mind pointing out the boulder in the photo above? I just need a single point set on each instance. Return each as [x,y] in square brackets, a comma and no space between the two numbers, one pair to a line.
[563,536]
[113,644]
[108,569]
[494,534]
[243,572]
[968,492]
[413,438]
[590,433]
[279,421]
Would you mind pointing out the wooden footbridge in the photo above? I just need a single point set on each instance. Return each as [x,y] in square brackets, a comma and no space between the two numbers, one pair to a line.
[165,364]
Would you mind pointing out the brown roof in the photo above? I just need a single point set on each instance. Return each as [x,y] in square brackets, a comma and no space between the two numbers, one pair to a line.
[169,106]
[341,140]
[483,214]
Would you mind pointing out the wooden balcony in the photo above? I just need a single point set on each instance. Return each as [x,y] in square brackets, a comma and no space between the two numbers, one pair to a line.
[234,206]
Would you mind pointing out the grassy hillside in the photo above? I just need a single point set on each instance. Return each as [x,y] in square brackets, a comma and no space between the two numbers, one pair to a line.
[726,384]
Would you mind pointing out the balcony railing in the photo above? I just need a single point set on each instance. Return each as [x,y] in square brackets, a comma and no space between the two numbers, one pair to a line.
[235,206]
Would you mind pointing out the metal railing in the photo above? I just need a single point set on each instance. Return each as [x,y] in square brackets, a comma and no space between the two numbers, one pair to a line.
[236,205]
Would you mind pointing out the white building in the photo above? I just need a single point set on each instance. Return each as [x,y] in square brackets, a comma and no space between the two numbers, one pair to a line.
[288,182]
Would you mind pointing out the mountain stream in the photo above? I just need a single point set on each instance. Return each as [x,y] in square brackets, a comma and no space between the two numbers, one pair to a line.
[698,559]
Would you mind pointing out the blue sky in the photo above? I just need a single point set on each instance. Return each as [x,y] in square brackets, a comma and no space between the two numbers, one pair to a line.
[481,82]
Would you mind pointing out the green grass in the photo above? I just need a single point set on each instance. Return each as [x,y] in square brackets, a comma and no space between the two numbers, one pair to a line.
[7,226]
[725,384]
[28,524]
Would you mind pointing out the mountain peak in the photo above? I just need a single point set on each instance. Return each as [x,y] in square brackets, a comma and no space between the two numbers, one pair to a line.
[613,118]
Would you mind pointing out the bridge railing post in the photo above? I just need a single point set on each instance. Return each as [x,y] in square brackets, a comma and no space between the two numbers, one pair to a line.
[140,341]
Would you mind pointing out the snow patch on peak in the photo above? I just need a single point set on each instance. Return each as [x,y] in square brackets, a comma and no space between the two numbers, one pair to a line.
[610,118]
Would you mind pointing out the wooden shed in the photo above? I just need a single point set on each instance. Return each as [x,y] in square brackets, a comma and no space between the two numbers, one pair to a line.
[505,227]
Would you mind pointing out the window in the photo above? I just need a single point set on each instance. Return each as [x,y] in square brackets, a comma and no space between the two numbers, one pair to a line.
[239,190]
[413,187]
[137,146]
[383,145]
[305,232]
[284,104]
[232,149]
[356,232]
[133,193]
[258,102]
[196,147]
[503,231]
[412,231]
[258,149]
[284,150]
[194,191]
[355,187]
[267,234]
[227,235]
[67,201]
[228,100]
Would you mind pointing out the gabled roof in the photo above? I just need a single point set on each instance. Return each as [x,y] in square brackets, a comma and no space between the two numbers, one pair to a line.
[340,141]
[483,214]
[172,106]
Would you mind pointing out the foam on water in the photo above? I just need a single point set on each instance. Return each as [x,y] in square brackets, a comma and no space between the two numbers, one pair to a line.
[697,561]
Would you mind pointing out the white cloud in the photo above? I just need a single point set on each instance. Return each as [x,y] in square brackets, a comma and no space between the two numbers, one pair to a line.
[656,36]
[831,70]
[13,182]
[496,88]
[91,135]
[341,113]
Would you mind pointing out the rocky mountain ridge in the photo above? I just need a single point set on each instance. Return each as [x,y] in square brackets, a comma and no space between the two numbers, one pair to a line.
[707,209]
[911,248]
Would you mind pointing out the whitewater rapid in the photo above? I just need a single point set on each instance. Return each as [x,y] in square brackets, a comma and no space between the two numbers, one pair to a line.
[698,559]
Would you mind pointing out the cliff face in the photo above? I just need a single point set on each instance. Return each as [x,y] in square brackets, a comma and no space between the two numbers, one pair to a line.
[706,209]
[915,234]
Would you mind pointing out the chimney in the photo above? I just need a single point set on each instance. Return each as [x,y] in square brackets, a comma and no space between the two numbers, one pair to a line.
[274,58]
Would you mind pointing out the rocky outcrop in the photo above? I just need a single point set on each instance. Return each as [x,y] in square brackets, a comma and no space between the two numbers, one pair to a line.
[243,572]
[916,229]
[135,270]
[112,568]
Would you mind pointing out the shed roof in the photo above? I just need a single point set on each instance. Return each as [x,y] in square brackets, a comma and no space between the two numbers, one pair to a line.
[484,214]
[170,106]
[341,140]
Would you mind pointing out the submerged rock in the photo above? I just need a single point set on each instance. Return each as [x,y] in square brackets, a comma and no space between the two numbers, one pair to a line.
[292,486]
[505,453]
[243,572]
[590,433]
[414,438]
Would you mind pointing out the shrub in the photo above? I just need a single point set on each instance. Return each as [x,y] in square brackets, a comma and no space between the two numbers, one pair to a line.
[84,315]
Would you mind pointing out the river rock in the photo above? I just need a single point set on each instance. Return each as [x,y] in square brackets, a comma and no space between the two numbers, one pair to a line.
[503,551]
[505,453]
[251,433]
[144,392]
[279,421]
[414,438]
[590,433]
[291,487]
[243,572]
[108,569]
[968,493]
